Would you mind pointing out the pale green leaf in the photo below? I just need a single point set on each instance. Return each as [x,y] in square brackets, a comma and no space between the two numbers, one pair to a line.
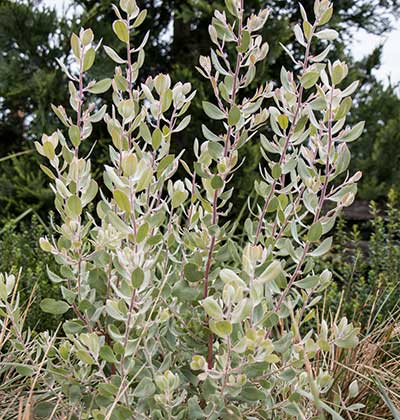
[101,86]
[88,59]
[145,388]
[55,307]
[121,30]
[213,111]
[122,201]
[234,115]
[221,328]
[354,133]
[327,34]
[212,308]
[113,55]
[74,205]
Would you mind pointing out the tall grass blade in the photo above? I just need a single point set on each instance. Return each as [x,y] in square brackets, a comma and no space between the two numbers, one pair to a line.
[387,400]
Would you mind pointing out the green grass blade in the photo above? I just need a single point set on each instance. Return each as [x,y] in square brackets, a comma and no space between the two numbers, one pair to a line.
[384,395]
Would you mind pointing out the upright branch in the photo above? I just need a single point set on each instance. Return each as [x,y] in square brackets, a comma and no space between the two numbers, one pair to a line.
[240,124]
[74,187]
[293,119]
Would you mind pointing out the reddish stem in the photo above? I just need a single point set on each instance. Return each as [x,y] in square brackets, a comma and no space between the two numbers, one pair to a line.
[286,145]
[227,148]
[317,213]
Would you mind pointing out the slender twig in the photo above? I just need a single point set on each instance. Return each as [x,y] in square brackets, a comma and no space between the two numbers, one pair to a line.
[297,113]
[227,149]
[322,199]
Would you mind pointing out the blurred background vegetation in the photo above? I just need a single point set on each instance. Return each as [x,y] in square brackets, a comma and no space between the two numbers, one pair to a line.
[34,36]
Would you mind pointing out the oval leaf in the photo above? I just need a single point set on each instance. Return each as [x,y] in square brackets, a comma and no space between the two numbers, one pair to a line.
[121,30]
[55,307]
[101,86]
[213,111]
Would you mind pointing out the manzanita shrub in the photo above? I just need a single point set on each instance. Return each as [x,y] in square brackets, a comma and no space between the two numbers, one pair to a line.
[175,312]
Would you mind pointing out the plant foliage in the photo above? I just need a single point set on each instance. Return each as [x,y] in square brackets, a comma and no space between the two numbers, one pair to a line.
[174,315]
